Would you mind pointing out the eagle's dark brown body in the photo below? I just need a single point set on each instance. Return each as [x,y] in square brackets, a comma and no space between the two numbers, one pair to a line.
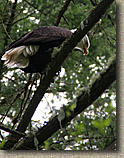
[46,37]
[32,52]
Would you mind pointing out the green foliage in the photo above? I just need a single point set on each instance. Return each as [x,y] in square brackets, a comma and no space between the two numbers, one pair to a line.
[94,128]
[2,143]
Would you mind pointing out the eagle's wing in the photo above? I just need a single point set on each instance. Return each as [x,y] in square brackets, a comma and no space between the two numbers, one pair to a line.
[49,35]
[43,38]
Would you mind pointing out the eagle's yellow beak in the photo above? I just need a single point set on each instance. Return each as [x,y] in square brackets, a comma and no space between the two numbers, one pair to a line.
[86,51]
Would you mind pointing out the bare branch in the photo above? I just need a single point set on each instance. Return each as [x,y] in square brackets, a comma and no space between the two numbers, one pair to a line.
[65,20]
[31,4]
[23,18]
[62,11]
[6,31]
[3,127]
[36,8]
[9,25]
[93,3]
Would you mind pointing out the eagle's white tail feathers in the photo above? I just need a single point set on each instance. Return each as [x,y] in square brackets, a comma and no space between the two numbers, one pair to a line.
[15,56]
[19,56]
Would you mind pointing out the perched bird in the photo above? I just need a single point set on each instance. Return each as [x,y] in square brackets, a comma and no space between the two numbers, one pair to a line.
[32,51]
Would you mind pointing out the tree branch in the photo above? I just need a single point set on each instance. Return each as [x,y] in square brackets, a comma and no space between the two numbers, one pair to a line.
[111,146]
[93,3]
[23,18]
[11,130]
[7,32]
[85,26]
[9,25]
[98,85]
[62,11]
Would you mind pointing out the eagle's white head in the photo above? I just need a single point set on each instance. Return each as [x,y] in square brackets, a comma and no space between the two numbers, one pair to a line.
[83,45]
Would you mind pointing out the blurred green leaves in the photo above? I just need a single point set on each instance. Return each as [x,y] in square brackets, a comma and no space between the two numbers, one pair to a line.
[94,128]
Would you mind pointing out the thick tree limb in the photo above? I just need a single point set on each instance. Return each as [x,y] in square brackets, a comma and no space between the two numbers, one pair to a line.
[85,26]
[111,146]
[105,78]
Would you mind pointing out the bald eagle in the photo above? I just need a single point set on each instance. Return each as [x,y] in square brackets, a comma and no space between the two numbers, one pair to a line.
[32,51]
